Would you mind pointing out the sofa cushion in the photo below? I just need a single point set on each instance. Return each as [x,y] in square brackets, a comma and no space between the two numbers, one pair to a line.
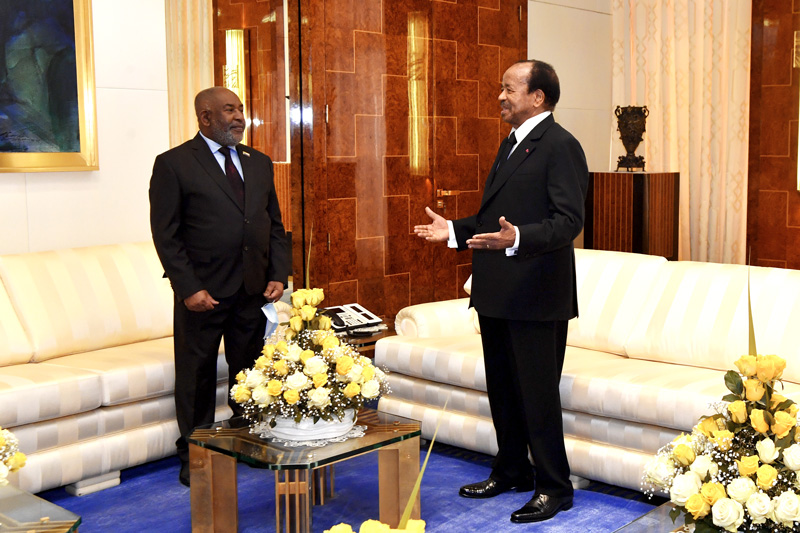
[14,346]
[82,299]
[435,319]
[612,288]
[34,392]
[424,392]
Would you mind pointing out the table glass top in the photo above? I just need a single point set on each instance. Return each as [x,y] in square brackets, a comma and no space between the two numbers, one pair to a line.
[230,438]
[22,511]
[657,521]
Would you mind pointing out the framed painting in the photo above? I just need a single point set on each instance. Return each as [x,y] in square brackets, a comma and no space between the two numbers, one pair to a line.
[48,120]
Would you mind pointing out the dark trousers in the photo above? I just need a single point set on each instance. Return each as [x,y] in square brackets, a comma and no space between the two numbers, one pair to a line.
[239,321]
[523,361]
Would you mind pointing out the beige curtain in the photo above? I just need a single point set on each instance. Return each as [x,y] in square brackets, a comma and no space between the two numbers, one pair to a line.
[190,62]
[688,61]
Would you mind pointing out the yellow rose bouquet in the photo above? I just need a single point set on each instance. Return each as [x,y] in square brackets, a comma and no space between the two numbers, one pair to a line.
[739,470]
[307,372]
[11,459]
[374,526]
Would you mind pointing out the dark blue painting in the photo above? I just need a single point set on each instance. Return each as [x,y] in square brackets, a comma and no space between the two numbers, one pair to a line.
[38,77]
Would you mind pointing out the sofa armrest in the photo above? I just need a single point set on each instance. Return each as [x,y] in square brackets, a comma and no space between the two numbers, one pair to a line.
[437,319]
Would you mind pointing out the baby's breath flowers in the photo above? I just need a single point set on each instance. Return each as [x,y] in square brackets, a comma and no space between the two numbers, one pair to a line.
[738,469]
[11,459]
[307,373]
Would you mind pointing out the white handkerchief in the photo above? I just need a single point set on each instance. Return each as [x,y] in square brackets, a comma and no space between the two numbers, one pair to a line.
[272,319]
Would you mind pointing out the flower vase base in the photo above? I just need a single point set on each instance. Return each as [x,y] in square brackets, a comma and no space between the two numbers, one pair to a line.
[308,433]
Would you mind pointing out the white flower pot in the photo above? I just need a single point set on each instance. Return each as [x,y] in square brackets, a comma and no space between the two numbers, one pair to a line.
[306,429]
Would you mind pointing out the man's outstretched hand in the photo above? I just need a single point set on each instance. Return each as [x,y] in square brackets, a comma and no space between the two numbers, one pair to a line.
[436,231]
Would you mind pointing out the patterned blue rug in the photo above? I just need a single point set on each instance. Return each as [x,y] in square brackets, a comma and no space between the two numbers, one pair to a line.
[150,498]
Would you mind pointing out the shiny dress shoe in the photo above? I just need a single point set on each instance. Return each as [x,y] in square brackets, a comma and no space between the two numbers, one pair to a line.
[184,474]
[491,488]
[541,507]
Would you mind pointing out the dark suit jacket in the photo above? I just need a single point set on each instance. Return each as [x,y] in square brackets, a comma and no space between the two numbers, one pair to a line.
[204,237]
[540,189]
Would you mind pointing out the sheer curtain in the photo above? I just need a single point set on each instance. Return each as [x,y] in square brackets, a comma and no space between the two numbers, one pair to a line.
[190,62]
[688,61]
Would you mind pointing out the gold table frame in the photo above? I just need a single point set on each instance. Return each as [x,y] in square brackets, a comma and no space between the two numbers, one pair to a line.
[303,475]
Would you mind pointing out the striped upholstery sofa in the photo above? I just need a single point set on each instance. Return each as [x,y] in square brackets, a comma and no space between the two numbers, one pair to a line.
[86,363]
[645,359]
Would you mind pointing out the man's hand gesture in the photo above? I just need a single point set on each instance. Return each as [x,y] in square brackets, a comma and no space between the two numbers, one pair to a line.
[436,231]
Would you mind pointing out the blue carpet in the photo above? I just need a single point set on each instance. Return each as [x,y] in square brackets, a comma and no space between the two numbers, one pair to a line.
[151,499]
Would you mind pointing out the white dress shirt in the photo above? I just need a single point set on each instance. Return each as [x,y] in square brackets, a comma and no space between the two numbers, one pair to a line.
[220,157]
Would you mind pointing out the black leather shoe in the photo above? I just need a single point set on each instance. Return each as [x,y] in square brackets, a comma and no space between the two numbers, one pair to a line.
[184,475]
[541,507]
[491,488]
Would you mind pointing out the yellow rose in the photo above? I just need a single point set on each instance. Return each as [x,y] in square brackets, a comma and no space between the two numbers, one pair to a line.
[320,380]
[683,454]
[17,461]
[738,411]
[262,363]
[281,367]
[368,373]
[305,355]
[315,297]
[268,350]
[291,396]
[697,506]
[707,426]
[344,364]
[373,526]
[2,439]
[711,492]
[242,394]
[289,334]
[746,365]
[240,377]
[296,324]
[282,348]
[775,400]
[324,322]
[748,465]
[757,421]
[308,313]
[766,476]
[723,439]
[753,390]
[274,387]
[783,423]
[769,367]
[340,528]
[351,390]
[792,410]
[298,298]
[330,342]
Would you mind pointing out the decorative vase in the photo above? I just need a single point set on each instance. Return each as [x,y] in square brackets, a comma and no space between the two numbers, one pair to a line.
[631,126]
[289,430]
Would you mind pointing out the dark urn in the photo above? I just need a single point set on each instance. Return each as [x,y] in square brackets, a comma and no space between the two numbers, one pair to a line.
[630,123]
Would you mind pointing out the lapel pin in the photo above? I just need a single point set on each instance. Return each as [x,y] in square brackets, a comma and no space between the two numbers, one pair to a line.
[245,153]
[527,150]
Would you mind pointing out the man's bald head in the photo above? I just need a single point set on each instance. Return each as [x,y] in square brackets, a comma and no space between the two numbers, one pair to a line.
[220,115]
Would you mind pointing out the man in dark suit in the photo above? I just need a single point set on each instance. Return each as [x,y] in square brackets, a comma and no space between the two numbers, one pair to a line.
[217,229]
[523,287]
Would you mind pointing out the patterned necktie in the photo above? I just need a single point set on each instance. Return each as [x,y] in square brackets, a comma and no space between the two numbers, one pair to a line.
[233,174]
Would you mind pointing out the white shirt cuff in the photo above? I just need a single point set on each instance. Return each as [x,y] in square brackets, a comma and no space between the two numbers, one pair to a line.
[451,239]
[513,250]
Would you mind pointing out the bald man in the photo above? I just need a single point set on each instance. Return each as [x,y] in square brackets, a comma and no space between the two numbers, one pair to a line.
[217,229]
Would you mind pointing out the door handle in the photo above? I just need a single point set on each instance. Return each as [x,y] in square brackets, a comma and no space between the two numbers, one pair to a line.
[440,193]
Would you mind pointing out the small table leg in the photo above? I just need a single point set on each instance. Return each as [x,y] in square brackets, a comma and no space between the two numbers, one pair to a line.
[292,501]
[398,468]
[322,485]
[214,503]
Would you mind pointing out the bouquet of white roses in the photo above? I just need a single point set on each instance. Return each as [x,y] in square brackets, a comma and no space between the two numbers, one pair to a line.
[11,459]
[739,468]
[308,373]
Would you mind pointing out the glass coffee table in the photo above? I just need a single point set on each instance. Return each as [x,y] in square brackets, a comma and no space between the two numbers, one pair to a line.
[657,521]
[22,511]
[301,473]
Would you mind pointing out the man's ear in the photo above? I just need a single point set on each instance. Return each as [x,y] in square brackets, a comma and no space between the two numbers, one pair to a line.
[538,95]
[204,117]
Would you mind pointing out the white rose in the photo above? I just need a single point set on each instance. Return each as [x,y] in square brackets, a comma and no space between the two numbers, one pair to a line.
[759,505]
[319,398]
[254,379]
[660,471]
[787,508]
[297,381]
[261,396]
[293,353]
[315,365]
[741,488]
[703,465]
[370,389]
[791,457]
[728,514]
[380,375]
[766,451]
[683,486]
[355,373]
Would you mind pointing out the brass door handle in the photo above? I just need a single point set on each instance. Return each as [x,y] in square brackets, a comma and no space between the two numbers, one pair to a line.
[444,192]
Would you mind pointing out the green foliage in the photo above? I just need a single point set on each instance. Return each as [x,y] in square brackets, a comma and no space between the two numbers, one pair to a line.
[734,383]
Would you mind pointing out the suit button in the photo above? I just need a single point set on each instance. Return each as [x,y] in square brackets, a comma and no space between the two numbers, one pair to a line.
[246,221]
[245,248]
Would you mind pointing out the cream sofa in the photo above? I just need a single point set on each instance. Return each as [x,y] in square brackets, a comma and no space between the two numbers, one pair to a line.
[645,359]
[86,363]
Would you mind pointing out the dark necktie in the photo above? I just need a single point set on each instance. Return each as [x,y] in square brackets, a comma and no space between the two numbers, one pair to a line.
[505,151]
[233,174]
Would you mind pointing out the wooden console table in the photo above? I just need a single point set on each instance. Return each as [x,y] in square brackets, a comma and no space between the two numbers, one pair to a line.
[633,212]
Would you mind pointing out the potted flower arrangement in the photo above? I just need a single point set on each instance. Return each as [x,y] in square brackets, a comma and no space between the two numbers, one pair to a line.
[739,469]
[11,459]
[374,526]
[307,384]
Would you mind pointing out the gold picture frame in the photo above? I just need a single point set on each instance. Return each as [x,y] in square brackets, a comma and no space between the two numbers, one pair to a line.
[87,157]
